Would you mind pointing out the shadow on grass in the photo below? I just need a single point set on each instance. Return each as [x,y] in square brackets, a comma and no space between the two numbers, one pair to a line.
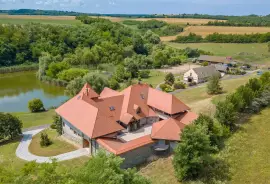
[14,140]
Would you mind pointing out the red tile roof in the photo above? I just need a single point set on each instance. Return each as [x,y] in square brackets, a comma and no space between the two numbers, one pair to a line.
[187,117]
[90,117]
[118,147]
[165,102]
[97,115]
[168,129]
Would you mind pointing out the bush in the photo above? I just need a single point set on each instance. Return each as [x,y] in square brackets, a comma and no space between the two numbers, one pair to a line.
[205,63]
[213,86]
[57,124]
[144,74]
[36,105]
[179,85]
[169,79]
[72,73]
[226,113]
[44,140]
[166,88]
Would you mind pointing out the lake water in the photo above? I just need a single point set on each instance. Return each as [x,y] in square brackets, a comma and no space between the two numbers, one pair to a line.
[16,89]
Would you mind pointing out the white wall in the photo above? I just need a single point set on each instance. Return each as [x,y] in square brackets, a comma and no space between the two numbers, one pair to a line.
[193,75]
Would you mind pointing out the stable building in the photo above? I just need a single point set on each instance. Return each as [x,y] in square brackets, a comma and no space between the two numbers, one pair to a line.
[201,74]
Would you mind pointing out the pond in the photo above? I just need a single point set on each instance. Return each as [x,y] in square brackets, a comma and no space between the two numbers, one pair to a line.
[16,89]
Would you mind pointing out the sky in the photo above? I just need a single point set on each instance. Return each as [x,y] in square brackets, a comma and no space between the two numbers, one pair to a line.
[214,7]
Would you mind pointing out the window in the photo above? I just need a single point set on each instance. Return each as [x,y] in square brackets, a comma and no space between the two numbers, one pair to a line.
[142,96]
[112,108]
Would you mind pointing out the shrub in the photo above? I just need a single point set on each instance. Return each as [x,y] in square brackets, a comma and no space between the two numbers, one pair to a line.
[35,105]
[72,73]
[213,86]
[179,85]
[166,88]
[45,140]
[169,79]
[144,74]
[205,63]
[57,124]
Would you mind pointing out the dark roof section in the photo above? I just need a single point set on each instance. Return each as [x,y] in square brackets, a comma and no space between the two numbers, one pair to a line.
[221,68]
[215,59]
[207,71]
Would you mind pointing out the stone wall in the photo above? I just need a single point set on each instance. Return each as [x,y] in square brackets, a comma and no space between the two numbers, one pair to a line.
[71,133]
[137,156]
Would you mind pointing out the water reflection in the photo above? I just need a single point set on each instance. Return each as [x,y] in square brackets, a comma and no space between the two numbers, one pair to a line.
[16,89]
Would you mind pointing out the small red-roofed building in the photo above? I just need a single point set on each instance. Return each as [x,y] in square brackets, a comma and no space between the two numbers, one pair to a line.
[135,123]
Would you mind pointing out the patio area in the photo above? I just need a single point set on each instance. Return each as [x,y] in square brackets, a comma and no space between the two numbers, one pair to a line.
[129,136]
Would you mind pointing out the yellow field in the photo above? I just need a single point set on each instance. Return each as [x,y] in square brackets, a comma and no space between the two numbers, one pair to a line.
[206,30]
[179,20]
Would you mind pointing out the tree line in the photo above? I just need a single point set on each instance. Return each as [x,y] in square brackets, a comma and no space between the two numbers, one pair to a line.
[243,21]
[225,38]
[196,156]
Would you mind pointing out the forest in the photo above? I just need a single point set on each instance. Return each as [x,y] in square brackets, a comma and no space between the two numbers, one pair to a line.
[99,50]
[161,28]
[243,21]
[225,38]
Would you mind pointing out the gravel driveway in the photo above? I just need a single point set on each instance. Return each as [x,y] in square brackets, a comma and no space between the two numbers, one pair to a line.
[23,152]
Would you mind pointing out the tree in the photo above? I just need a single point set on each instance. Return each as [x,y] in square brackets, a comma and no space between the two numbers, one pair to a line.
[113,84]
[268,44]
[72,73]
[193,153]
[55,68]
[97,82]
[265,78]
[10,126]
[74,86]
[212,131]
[121,74]
[214,86]
[35,105]
[246,94]
[226,113]
[45,140]
[169,79]
[57,124]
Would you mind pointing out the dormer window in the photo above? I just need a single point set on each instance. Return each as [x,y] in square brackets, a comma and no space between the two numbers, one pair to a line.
[112,108]
[142,96]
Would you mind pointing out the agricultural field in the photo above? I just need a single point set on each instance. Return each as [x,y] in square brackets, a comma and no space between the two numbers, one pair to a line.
[24,19]
[253,52]
[179,20]
[206,30]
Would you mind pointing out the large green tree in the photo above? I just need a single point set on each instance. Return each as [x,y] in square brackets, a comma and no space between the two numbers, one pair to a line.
[193,153]
[213,85]
[10,126]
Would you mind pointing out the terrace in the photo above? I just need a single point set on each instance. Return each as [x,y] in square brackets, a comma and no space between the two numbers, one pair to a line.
[129,136]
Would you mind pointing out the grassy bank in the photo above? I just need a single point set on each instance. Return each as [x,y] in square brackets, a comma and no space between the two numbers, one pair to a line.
[254,52]
[58,146]
[35,119]
[18,68]
[248,151]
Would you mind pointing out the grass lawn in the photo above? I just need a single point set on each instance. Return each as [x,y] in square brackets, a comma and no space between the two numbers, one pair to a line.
[58,146]
[200,93]
[254,52]
[156,77]
[248,151]
[35,119]
[160,172]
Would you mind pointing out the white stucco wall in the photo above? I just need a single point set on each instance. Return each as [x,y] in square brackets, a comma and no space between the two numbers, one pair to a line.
[192,74]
